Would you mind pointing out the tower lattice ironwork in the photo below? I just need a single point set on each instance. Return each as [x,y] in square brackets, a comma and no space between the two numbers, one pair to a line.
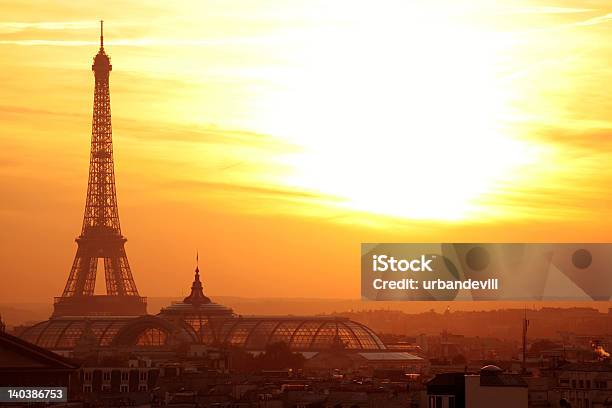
[101,236]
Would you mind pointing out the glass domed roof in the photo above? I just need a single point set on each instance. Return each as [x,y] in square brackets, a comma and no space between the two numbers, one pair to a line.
[314,333]
[64,333]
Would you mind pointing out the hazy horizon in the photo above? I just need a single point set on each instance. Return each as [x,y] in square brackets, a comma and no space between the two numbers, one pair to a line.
[17,313]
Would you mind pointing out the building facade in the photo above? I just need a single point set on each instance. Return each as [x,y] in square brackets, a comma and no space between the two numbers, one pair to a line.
[586,385]
[491,387]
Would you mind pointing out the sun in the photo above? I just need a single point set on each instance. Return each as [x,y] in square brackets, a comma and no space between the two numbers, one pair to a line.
[398,116]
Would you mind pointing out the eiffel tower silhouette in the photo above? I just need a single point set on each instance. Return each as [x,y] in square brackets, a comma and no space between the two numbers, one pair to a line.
[101,236]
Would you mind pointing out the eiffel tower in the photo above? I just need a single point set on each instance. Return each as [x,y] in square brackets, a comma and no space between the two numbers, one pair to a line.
[101,237]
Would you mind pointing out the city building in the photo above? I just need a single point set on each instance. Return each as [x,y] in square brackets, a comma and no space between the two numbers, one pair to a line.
[198,320]
[23,364]
[585,385]
[490,387]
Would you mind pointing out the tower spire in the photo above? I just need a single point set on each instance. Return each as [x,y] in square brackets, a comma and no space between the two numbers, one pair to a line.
[101,33]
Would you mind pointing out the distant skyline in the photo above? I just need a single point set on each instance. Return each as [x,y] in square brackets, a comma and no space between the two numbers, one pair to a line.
[275,137]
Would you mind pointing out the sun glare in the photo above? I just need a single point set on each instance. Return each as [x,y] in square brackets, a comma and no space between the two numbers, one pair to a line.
[401,114]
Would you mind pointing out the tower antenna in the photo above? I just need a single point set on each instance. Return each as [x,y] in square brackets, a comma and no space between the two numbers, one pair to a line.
[101,33]
[525,327]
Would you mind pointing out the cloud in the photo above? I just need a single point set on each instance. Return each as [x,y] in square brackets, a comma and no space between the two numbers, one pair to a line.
[29,111]
[149,42]
[56,43]
[596,140]
[261,191]
[549,10]
[605,18]
[7,27]
[141,130]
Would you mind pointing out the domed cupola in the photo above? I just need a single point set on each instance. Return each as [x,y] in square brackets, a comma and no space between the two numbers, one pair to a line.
[197,310]
[197,297]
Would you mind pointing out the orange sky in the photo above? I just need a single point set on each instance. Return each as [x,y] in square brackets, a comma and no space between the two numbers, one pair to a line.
[276,136]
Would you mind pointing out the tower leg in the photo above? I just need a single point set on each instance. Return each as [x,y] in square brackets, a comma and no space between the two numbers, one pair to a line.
[82,279]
